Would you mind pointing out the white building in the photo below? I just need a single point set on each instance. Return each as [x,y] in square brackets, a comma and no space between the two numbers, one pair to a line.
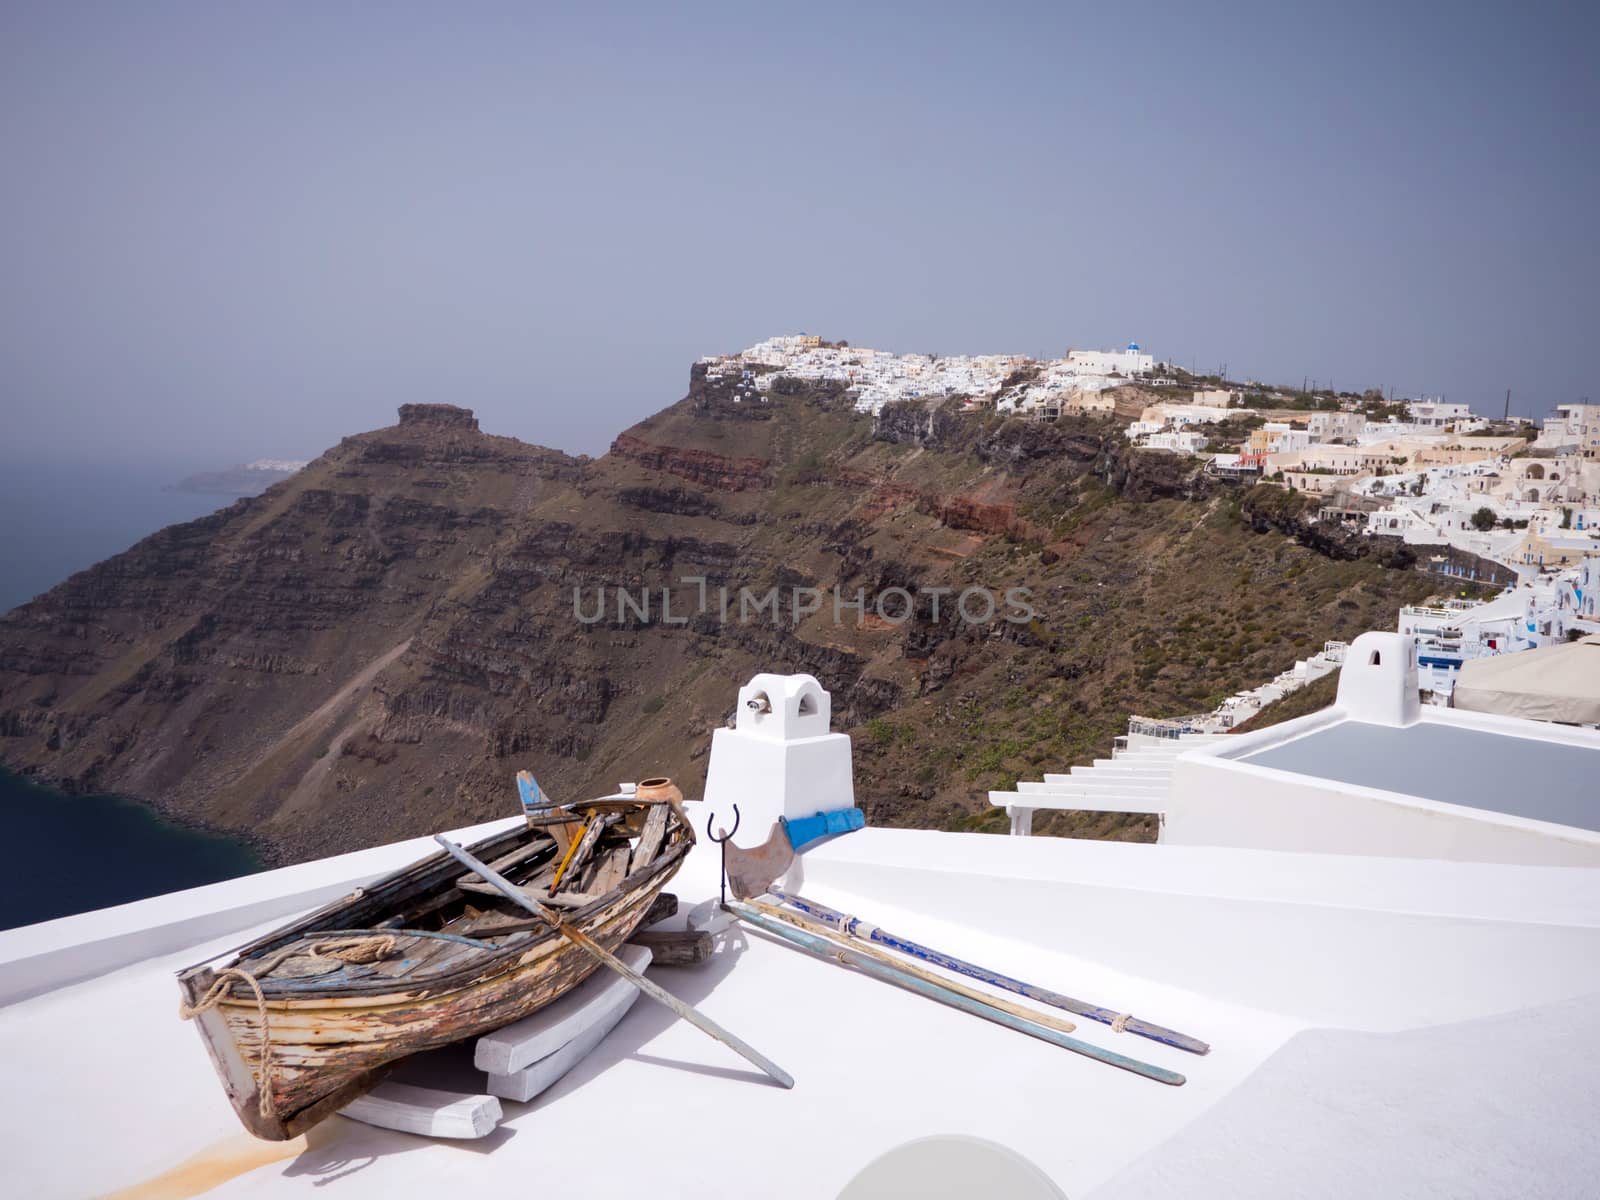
[1457,631]
[1436,414]
[1129,362]
[1321,456]
[1537,612]
[1572,425]
[1179,441]
[1578,592]
[1233,466]
[1277,437]
[1183,414]
[1336,426]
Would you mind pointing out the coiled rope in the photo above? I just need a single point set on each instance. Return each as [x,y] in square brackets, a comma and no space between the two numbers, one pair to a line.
[350,950]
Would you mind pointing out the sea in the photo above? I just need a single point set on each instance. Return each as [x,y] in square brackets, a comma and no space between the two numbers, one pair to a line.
[74,853]
[60,517]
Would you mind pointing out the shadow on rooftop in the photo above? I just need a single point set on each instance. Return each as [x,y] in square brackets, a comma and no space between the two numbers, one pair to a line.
[347,1147]
[340,1147]
[646,1020]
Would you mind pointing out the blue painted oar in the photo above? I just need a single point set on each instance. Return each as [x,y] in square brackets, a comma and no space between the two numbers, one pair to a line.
[805,830]
[752,872]
[1118,1021]
[826,948]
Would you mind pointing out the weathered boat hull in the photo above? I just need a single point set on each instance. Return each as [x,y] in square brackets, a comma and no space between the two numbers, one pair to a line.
[325,1050]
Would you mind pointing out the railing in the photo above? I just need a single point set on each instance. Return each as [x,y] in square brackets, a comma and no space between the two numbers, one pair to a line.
[1160,727]
[1223,717]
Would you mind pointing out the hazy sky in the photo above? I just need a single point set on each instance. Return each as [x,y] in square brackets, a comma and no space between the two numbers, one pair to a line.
[233,230]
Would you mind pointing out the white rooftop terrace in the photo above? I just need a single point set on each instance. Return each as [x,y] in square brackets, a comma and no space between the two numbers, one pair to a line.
[1286,963]
[1380,1025]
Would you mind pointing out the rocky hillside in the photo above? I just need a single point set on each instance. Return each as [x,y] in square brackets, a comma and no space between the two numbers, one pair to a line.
[370,649]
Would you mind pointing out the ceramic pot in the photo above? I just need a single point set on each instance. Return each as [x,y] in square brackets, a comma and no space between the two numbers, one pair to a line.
[659,788]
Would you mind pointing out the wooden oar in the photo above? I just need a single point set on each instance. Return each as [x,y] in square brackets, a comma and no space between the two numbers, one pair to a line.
[1082,1008]
[944,981]
[576,936]
[825,948]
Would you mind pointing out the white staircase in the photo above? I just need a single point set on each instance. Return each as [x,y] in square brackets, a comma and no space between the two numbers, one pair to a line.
[1136,779]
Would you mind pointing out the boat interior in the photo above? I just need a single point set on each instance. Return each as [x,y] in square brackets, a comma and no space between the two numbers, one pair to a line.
[433,919]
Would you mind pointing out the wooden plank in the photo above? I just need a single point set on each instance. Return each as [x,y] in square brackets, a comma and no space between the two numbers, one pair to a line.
[675,947]
[412,918]
[539,882]
[566,857]
[609,871]
[580,853]
[663,906]
[508,1050]
[563,832]
[427,1111]
[479,887]
[655,832]
[494,924]
[505,862]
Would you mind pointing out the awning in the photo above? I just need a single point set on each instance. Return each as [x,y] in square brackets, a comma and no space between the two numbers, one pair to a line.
[1554,683]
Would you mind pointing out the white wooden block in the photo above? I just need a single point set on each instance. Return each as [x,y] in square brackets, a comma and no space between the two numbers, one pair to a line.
[542,1033]
[536,1077]
[426,1111]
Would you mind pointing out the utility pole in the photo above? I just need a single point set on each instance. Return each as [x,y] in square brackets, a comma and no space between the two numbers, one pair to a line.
[1507,417]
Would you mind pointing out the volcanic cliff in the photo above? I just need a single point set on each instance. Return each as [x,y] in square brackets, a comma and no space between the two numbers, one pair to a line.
[371,648]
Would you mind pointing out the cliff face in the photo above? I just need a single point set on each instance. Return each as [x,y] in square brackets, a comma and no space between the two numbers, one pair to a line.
[371,648]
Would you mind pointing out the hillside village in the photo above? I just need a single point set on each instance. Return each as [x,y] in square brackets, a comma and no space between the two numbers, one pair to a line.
[1450,483]
[1007,382]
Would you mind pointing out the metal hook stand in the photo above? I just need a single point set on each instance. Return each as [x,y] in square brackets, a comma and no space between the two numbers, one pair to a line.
[720,838]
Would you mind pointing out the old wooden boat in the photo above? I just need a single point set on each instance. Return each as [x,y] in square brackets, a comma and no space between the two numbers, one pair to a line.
[302,1021]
